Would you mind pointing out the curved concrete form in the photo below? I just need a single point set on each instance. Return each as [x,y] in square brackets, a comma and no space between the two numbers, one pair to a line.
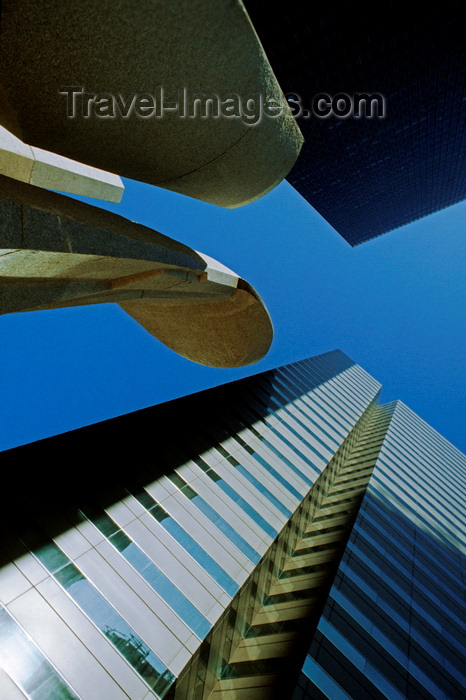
[108,63]
[57,252]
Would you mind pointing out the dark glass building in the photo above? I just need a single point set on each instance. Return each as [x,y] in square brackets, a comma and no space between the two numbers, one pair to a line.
[282,536]
[368,176]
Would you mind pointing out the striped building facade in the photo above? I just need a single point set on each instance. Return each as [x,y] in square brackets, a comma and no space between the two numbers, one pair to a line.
[393,624]
[205,567]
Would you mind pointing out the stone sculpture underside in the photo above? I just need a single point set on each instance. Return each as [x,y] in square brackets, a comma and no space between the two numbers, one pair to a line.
[58,252]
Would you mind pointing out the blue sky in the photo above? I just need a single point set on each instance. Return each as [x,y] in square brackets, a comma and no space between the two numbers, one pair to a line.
[396,305]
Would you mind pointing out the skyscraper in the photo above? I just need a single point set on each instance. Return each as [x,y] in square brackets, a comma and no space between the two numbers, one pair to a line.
[366,176]
[393,623]
[280,534]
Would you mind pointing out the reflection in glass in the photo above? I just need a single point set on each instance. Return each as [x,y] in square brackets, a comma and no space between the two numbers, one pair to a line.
[102,614]
[26,666]
[156,579]
[187,542]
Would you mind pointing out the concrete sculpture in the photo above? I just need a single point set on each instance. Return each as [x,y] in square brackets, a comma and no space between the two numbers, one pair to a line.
[57,252]
[177,94]
[45,169]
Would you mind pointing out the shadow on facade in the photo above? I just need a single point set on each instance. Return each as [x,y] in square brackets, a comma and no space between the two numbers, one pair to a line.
[126,453]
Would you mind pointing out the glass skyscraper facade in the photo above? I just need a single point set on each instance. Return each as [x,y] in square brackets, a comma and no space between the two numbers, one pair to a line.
[295,540]
[367,176]
[393,624]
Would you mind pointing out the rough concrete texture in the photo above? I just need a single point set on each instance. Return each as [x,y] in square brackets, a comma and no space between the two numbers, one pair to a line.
[130,47]
[57,252]
[230,332]
[45,169]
